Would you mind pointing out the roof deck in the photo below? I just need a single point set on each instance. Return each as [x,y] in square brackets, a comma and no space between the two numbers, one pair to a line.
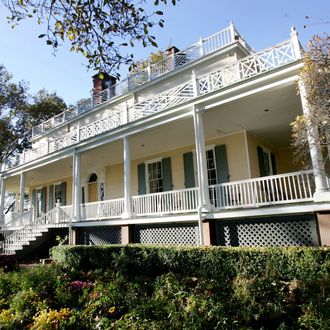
[194,52]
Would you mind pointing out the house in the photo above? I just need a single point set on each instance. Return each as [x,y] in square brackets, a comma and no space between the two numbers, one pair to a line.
[194,149]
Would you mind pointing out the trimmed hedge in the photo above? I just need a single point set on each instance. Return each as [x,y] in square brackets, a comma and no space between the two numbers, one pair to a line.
[211,262]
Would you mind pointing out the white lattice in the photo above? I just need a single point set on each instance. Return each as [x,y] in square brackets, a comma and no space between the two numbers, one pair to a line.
[101,126]
[168,99]
[249,67]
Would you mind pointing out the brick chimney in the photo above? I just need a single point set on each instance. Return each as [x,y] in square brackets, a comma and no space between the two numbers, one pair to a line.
[100,84]
[169,52]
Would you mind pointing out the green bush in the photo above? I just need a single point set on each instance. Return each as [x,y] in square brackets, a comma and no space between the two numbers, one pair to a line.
[146,287]
[211,262]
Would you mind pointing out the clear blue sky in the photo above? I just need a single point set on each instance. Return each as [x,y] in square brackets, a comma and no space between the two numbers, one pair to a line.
[262,23]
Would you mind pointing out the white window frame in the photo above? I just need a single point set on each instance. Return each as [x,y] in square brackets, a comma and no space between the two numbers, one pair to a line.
[148,162]
[207,148]
[269,158]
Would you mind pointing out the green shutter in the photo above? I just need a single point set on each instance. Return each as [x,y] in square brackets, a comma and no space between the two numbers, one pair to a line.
[33,198]
[43,199]
[221,163]
[142,179]
[272,156]
[262,166]
[51,198]
[63,193]
[167,174]
[189,174]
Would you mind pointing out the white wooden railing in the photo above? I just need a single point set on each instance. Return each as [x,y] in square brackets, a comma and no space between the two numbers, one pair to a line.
[112,208]
[248,67]
[13,219]
[271,190]
[57,215]
[251,66]
[202,48]
[175,201]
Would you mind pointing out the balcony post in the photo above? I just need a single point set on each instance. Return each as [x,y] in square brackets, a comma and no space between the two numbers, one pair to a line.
[127,181]
[21,193]
[322,193]
[76,186]
[204,198]
[201,45]
[295,43]
[2,197]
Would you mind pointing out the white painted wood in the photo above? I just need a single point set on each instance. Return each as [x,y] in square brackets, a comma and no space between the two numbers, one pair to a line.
[263,191]
[169,202]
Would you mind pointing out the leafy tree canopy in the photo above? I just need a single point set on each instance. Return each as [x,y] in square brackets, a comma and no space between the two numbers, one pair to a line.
[101,30]
[19,112]
[315,76]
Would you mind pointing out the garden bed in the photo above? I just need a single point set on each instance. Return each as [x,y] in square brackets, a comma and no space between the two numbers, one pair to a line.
[147,287]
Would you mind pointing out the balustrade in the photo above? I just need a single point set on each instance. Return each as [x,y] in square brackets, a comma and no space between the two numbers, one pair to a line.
[102,210]
[270,190]
[248,67]
[176,201]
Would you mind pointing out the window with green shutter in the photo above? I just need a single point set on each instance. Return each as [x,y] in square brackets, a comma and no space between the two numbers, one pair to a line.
[267,163]
[155,176]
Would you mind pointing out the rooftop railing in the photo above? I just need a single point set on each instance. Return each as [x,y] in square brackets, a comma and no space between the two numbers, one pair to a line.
[246,68]
[202,48]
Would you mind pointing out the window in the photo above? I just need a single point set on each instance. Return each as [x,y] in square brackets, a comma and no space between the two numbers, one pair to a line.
[267,163]
[58,193]
[154,177]
[211,167]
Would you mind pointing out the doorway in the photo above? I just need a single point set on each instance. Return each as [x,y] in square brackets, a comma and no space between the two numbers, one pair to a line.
[92,188]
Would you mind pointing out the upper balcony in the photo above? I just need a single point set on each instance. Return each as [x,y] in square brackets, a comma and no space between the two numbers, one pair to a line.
[252,66]
[173,62]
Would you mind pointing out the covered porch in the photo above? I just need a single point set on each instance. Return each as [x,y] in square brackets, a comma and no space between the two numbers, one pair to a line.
[282,189]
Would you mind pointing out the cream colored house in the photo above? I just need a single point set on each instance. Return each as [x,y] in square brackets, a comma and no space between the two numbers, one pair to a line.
[194,149]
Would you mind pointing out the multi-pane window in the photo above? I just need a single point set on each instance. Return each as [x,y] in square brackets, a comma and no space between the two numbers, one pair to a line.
[155,177]
[211,167]
[58,194]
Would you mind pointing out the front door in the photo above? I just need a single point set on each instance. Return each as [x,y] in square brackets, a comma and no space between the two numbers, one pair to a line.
[92,192]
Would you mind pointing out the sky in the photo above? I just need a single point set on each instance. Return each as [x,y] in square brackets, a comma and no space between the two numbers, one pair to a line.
[262,23]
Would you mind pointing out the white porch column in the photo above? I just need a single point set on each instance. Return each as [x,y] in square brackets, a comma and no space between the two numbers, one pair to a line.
[2,199]
[322,193]
[21,193]
[204,197]
[76,186]
[127,180]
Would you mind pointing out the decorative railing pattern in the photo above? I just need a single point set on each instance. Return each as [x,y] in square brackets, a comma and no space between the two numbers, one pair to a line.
[251,66]
[113,208]
[168,99]
[271,190]
[246,68]
[175,201]
[101,126]
[204,47]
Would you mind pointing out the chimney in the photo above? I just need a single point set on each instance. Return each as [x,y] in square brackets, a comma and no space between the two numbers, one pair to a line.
[101,84]
[169,52]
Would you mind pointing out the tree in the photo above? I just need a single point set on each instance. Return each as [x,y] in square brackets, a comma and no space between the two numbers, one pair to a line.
[315,76]
[101,30]
[19,112]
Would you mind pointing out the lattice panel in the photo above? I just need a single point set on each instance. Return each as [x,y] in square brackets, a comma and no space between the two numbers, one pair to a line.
[100,236]
[166,234]
[278,231]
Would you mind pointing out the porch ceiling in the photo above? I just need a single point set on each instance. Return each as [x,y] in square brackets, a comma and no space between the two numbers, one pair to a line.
[266,115]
